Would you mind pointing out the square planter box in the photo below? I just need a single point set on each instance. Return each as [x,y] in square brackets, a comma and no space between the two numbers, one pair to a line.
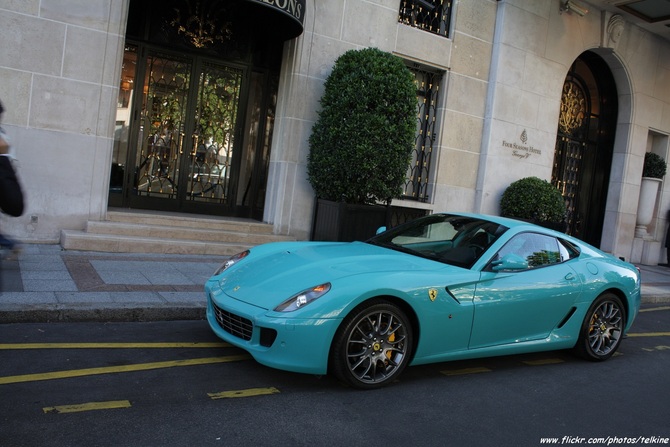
[343,222]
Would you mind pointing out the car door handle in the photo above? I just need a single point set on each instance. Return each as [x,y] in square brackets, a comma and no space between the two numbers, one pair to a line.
[570,277]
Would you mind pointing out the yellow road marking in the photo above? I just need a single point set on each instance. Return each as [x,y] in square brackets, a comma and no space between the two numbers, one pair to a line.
[649,334]
[243,393]
[655,309]
[88,406]
[541,362]
[119,369]
[162,345]
[657,348]
[458,372]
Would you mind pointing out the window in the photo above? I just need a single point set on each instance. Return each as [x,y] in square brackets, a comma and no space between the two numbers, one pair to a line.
[536,249]
[417,184]
[429,15]
[568,250]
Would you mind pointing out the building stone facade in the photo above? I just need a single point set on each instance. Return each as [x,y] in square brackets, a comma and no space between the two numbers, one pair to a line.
[60,63]
[503,67]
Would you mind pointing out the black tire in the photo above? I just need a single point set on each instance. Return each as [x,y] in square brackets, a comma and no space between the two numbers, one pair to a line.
[372,346]
[602,330]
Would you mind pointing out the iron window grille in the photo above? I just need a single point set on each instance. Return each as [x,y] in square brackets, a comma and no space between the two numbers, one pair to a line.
[417,182]
[429,15]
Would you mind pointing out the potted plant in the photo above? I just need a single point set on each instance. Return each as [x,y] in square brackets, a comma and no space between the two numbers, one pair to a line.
[360,145]
[653,170]
[654,166]
[534,200]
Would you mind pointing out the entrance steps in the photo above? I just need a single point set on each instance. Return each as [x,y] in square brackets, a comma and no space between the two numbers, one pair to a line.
[169,233]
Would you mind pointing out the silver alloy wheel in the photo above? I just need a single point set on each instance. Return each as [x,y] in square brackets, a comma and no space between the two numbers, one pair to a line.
[605,328]
[377,346]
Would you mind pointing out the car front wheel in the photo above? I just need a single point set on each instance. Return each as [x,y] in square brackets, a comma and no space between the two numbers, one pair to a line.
[602,329]
[373,345]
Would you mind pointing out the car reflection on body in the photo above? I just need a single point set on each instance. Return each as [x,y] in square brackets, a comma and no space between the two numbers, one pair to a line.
[442,287]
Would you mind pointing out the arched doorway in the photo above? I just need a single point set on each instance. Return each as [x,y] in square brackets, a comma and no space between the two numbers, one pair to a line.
[197,103]
[584,144]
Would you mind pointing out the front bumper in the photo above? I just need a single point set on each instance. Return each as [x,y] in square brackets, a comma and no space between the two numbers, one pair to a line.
[292,344]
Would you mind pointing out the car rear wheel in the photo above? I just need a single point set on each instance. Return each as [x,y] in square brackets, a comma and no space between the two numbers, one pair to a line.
[373,345]
[602,329]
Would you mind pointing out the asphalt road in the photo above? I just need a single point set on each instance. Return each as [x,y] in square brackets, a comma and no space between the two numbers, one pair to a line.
[175,384]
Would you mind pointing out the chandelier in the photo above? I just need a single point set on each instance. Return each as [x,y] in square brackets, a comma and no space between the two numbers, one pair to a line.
[201,22]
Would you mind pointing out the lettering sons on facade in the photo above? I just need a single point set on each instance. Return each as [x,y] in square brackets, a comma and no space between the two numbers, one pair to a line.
[292,7]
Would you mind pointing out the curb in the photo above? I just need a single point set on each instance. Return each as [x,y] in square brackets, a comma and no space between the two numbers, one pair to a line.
[120,313]
[105,313]
[655,299]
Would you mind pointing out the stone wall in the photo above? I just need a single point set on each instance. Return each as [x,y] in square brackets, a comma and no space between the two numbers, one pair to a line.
[60,65]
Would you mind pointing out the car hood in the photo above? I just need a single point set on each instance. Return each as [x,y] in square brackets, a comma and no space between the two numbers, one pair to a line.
[268,278]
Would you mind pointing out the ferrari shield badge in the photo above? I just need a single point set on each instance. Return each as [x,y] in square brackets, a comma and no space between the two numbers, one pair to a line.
[432,294]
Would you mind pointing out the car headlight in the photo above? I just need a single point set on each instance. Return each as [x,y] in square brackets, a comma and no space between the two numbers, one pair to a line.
[303,298]
[231,261]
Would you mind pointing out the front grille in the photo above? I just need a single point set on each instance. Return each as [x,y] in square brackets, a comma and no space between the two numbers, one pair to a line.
[233,324]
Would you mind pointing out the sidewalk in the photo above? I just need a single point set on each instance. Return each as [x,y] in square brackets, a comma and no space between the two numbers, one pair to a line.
[47,283]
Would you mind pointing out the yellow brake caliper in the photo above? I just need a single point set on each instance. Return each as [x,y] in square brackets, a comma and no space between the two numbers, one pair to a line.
[391,339]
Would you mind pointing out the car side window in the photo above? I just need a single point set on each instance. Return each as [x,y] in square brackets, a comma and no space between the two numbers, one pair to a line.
[568,250]
[537,249]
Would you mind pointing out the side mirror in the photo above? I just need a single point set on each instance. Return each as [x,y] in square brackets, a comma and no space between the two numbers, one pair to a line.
[509,262]
[380,230]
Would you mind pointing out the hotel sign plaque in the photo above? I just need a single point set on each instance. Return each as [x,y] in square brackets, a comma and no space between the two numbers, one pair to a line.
[522,149]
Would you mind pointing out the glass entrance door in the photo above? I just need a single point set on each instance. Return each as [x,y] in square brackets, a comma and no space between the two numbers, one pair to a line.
[178,144]
[161,129]
[212,151]
[193,134]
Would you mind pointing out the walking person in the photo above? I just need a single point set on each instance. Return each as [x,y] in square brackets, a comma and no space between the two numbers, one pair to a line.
[11,194]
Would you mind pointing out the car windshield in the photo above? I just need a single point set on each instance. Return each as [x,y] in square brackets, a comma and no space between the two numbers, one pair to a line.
[455,240]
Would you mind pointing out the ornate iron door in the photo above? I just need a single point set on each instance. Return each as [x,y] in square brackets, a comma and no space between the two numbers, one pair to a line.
[570,145]
[161,126]
[185,156]
[584,144]
[213,143]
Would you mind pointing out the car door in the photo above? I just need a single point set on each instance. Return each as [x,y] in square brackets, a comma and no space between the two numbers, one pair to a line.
[525,291]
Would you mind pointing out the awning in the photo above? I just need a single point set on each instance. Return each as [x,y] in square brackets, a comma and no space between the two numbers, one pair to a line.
[284,17]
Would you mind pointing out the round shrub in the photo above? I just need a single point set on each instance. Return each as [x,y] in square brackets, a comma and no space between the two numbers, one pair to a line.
[533,199]
[360,145]
[654,165]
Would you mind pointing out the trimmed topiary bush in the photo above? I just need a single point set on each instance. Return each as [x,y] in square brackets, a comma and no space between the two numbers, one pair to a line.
[361,143]
[654,166]
[533,199]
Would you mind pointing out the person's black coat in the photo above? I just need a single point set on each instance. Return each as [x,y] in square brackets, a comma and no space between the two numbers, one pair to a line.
[11,195]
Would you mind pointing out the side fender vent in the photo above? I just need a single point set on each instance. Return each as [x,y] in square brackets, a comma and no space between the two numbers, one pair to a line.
[565,319]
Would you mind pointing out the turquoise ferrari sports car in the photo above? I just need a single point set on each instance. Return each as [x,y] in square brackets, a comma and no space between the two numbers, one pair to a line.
[442,287]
